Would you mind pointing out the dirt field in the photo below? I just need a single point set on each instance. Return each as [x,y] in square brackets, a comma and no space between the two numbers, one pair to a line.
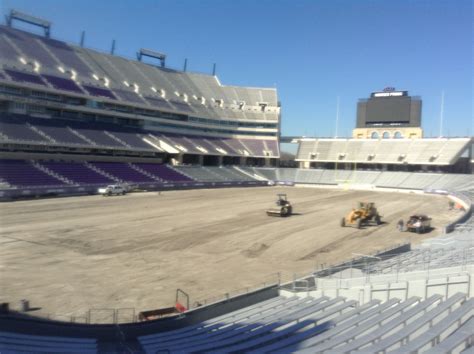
[68,255]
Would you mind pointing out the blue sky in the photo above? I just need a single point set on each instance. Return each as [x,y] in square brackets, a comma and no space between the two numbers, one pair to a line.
[312,51]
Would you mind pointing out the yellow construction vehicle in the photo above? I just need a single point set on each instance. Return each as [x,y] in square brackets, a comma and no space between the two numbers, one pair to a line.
[364,214]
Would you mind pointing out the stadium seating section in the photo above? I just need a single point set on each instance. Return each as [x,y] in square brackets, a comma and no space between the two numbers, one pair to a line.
[87,72]
[325,324]
[60,132]
[22,173]
[390,151]
[11,343]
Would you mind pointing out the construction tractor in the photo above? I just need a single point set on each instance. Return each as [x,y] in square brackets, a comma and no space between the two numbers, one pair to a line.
[364,214]
[283,209]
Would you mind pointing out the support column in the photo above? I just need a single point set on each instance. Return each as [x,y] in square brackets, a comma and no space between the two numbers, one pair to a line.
[201,160]
[220,159]
[243,161]
[304,164]
[177,159]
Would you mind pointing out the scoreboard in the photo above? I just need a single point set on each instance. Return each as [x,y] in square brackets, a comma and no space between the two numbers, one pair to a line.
[389,108]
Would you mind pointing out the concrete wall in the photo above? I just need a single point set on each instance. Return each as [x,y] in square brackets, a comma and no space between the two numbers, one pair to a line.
[9,194]
[130,331]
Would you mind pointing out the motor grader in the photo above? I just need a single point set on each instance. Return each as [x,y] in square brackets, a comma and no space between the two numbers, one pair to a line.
[364,214]
[283,208]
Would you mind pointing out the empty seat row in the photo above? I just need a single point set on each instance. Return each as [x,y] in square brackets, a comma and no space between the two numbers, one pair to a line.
[413,151]
[61,132]
[25,343]
[408,180]
[327,325]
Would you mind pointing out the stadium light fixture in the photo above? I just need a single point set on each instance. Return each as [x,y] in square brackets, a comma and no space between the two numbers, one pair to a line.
[152,54]
[36,66]
[61,69]
[136,88]
[73,75]
[154,89]
[22,60]
[35,21]
[94,76]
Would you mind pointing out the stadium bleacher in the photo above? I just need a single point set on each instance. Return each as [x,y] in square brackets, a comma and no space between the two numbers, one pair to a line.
[324,324]
[91,80]
[77,172]
[50,54]
[391,179]
[21,173]
[20,128]
[163,172]
[11,342]
[441,151]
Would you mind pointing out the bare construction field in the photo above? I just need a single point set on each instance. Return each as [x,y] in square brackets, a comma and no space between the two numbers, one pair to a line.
[68,255]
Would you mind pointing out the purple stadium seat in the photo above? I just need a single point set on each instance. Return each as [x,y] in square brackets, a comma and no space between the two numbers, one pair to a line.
[77,172]
[16,129]
[29,45]
[123,171]
[206,144]
[21,173]
[188,144]
[67,56]
[57,130]
[19,76]
[7,51]
[62,83]
[163,172]
[273,146]
[129,96]
[99,137]
[132,139]
[219,142]
[99,92]
[181,106]
[234,144]
[158,102]
[256,147]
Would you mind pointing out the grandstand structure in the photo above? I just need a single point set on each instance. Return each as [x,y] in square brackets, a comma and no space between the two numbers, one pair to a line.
[410,155]
[388,136]
[65,103]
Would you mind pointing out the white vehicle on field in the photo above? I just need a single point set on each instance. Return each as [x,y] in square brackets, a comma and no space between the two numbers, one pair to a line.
[113,189]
